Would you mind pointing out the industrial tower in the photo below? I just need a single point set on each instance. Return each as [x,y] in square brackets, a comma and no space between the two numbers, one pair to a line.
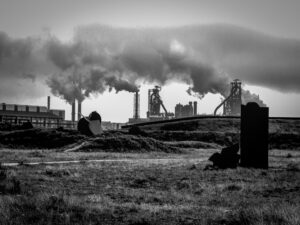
[136,105]
[232,104]
[154,104]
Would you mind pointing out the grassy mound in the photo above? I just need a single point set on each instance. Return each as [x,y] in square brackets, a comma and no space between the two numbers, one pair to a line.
[224,125]
[127,143]
[220,138]
[229,125]
[39,138]
[276,140]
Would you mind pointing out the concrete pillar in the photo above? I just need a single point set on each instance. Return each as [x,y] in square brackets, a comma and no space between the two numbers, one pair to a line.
[254,135]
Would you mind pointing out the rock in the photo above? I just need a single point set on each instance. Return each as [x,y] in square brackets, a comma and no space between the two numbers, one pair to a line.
[90,126]
[83,127]
[94,116]
[228,158]
[231,150]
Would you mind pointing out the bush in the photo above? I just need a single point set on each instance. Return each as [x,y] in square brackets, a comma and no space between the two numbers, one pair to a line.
[135,130]
[8,182]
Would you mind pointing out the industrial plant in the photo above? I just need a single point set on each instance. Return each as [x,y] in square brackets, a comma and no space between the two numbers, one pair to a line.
[42,116]
[45,117]
[155,104]
[186,110]
[231,106]
[39,116]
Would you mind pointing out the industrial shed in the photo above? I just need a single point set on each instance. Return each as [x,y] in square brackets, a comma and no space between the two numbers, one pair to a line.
[39,116]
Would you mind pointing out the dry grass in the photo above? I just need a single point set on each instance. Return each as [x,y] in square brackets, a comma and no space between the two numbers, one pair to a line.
[127,143]
[155,192]
[39,138]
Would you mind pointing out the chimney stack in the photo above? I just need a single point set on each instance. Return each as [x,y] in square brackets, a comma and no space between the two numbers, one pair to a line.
[195,108]
[73,110]
[48,103]
[136,105]
[79,110]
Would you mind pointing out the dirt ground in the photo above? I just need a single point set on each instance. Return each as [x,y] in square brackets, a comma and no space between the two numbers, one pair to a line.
[149,188]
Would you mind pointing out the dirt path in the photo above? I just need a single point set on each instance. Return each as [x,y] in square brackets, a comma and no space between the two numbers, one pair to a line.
[149,161]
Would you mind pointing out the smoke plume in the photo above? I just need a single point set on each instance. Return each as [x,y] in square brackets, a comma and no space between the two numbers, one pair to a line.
[207,57]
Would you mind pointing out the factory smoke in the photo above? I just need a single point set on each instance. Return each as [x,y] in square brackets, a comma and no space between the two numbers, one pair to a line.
[206,57]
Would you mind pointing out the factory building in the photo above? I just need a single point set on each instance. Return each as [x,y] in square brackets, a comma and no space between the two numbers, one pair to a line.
[39,116]
[107,125]
[186,110]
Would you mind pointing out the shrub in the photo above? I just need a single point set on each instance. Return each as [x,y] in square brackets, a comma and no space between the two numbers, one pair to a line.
[8,182]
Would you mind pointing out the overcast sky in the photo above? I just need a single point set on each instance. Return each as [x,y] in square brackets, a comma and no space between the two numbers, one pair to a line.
[60,18]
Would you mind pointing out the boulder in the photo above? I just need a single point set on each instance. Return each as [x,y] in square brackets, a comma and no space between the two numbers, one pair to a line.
[90,126]
[228,158]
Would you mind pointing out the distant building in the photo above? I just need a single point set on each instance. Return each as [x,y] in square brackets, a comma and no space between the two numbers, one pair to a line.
[107,125]
[39,116]
[139,120]
[185,110]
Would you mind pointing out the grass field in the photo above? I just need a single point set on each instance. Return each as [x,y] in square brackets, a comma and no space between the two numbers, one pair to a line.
[157,177]
[150,188]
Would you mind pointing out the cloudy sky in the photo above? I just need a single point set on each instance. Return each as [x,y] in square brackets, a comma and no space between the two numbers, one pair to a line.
[47,46]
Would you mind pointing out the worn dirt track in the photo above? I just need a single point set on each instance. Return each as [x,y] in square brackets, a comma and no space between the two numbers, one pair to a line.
[149,161]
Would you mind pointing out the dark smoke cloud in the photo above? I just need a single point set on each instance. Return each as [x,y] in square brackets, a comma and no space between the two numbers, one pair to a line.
[129,57]
[206,57]
[79,83]
[23,62]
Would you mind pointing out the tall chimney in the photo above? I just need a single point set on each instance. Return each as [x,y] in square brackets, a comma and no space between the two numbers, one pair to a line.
[48,102]
[73,110]
[136,105]
[195,108]
[79,110]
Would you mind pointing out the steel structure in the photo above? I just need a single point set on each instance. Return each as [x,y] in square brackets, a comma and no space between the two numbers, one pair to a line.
[154,104]
[232,104]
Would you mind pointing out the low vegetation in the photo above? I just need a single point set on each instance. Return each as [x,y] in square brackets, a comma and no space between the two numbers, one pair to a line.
[9,184]
[39,138]
[127,143]
[143,178]
[230,125]
[284,134]
[155,192]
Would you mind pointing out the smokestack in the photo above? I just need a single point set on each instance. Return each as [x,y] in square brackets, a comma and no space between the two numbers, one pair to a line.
[73,110]
[136,105]
[195,108]
[79,110]
[48,102]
